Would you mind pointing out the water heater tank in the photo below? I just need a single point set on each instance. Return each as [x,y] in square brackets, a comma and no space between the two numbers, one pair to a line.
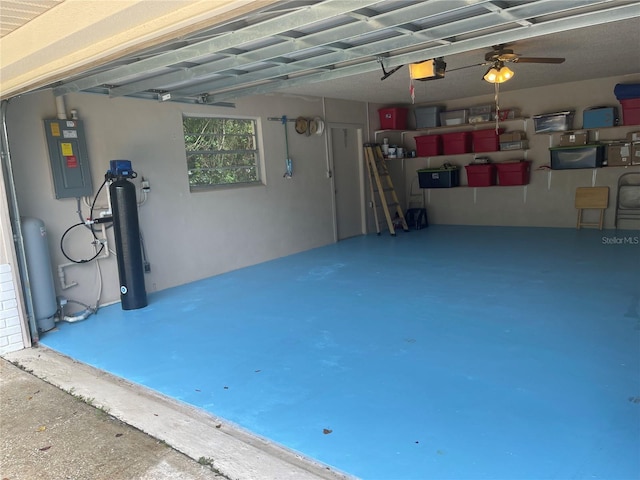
[43,292]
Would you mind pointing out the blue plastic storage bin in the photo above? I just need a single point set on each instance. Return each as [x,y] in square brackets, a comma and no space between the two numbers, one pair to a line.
[599,117]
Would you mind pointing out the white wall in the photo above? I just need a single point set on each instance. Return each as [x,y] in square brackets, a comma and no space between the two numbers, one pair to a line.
[549,198]
[187,235]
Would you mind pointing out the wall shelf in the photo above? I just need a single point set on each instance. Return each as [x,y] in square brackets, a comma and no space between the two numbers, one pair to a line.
[582,129]
[462,126]
[594,135]
[465,127]
[473,154]
[400,137]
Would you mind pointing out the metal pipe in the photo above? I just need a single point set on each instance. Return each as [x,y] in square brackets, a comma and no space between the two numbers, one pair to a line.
[15,224]
[77,316]
[61,109]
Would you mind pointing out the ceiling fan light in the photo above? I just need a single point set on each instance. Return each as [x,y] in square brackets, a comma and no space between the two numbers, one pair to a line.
[498,75]
[505,74]
[491,75]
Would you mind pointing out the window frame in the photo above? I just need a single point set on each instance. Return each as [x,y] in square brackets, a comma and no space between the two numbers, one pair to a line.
[258,153]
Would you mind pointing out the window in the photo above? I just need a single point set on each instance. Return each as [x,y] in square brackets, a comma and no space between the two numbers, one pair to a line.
[221,151]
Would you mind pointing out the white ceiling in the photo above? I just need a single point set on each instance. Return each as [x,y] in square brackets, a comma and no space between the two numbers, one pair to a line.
[333,48]
[590,53]
[15,14]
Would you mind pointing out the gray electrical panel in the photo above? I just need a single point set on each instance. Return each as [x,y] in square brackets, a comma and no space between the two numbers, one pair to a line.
[69,158]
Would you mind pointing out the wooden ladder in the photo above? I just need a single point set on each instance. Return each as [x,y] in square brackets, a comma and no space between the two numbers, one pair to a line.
[383,195]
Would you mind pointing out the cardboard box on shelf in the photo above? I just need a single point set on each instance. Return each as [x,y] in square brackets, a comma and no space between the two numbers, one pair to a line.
[512,136]
[618,154]
[633,137]
[635,153]
[519,145]
[574,139]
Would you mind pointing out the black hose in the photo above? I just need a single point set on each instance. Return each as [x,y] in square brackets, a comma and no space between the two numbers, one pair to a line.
[93,204]
[65,253]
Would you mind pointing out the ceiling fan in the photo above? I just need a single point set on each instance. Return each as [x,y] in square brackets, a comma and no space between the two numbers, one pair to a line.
[498,58]
[502,54]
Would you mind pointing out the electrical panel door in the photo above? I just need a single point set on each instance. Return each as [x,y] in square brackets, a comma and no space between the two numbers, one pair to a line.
[69,158]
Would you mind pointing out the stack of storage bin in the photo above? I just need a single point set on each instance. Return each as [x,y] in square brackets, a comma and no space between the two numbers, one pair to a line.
[629,97]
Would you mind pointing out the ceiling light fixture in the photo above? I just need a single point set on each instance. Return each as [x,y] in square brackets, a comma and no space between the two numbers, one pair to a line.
[431,69]
[498,73]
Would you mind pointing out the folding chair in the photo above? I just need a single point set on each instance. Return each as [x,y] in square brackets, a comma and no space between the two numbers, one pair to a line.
[628,197]
[591,198]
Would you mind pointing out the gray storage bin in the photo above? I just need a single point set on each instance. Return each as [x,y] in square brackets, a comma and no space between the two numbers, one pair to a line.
[428,117]
[553,122]
[586,156]
[446,176]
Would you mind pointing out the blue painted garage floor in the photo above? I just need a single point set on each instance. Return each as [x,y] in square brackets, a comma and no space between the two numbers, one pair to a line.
[446,353]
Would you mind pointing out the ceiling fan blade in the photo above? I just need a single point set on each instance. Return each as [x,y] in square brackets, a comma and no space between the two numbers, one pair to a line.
[468,66]
[538,60]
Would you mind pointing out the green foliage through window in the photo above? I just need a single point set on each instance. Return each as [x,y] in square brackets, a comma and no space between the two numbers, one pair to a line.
[221,151]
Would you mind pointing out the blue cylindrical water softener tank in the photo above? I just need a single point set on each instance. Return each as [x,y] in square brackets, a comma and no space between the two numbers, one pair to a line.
[127,239]
[43,292]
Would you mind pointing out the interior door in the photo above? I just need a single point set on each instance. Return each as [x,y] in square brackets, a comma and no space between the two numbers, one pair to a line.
[347,163]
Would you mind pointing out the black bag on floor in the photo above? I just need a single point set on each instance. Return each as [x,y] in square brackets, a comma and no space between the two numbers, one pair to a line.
[416,218]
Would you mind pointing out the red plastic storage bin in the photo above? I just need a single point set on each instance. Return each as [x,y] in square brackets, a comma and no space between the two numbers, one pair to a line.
[481,175]
[486,140]
[393,118]
[428,145]
[513,173]
[630,111]
[455,143]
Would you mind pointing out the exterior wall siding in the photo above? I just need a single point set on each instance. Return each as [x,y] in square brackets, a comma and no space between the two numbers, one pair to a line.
[11,335]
